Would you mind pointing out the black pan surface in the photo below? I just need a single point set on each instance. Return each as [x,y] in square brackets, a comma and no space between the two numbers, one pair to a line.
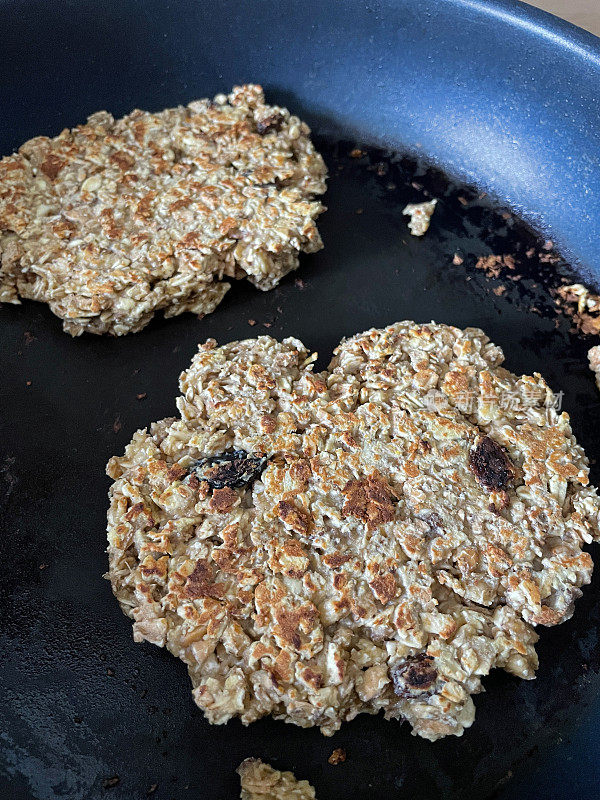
[86,713]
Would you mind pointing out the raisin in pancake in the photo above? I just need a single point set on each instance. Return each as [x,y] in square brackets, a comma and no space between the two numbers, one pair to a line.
[376,537]
[115,220]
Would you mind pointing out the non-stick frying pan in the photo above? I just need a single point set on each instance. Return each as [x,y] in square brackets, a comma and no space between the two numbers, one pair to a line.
[496,94]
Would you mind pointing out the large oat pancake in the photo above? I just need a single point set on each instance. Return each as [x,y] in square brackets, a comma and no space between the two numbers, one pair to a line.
[375,537]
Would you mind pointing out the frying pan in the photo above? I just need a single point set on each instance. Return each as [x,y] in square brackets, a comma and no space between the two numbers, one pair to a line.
[495,94]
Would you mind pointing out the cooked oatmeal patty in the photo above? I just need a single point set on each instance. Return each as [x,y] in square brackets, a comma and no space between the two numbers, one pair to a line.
[375,537]
[117,219]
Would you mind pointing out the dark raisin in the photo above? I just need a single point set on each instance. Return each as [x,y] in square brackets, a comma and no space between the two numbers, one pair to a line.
[414,676]
[270,123]
[491,466]
[235,469]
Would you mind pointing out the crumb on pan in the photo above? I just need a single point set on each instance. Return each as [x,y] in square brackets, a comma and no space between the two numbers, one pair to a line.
[115,220]
[259,781]
[594,359]
[420,216]
[582,305]
[493,265]
[338,756]
[375,537]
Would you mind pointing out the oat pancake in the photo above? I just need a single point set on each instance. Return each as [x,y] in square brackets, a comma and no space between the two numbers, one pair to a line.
[117,219]
[375,537]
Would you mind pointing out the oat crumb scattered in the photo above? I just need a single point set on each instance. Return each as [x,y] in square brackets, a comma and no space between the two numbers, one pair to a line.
[594,359]
[494,265]
[141,396]
[252,322]
[357,153]
[457,260]
[420,216]
[337,757]
[499,290]
[259,781]
[579,303]
[549,258]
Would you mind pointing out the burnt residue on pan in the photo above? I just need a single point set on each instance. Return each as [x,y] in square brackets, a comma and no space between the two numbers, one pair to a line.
[85,712]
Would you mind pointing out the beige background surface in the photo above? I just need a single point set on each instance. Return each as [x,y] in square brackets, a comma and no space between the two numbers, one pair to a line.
[585,13]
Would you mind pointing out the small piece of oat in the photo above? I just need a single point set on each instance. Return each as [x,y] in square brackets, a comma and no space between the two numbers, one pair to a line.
[578,302]
[259,781]
[457,260]
[494,265]
[594,359]
[420,216]
[337,757]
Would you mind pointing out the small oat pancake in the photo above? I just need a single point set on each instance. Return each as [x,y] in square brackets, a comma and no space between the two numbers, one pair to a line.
[259,781]
[376,537]
[117,219]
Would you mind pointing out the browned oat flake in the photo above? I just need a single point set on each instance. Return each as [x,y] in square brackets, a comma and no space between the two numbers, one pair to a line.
[582,305]
[494,265]
[115,220]
[338,756]
[420,511]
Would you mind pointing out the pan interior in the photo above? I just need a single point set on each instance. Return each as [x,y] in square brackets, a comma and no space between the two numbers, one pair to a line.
[83,705]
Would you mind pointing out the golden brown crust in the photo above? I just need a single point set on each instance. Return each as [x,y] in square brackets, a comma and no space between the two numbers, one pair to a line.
[370,500]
